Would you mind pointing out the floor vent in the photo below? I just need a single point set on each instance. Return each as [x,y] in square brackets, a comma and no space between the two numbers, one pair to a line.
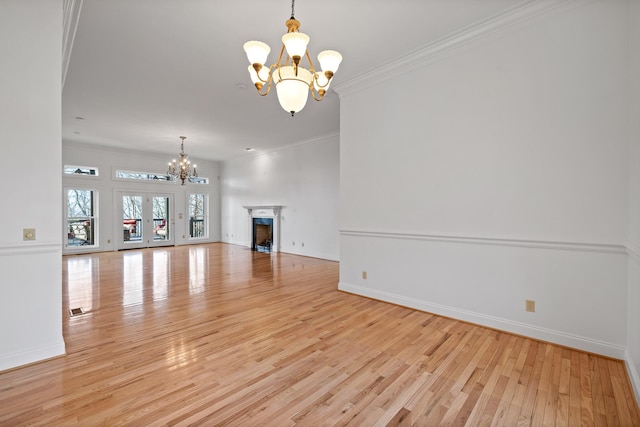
[76,311]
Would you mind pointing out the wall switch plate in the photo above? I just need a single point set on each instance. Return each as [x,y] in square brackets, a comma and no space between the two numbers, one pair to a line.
[530,305]
[364,275]
[28,234]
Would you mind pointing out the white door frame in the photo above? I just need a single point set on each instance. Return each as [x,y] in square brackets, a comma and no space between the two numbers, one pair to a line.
[146,226]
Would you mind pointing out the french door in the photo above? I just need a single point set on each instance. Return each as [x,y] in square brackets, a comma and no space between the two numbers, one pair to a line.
[146,219]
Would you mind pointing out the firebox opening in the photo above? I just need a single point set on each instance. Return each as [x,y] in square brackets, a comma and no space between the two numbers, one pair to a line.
[262,234]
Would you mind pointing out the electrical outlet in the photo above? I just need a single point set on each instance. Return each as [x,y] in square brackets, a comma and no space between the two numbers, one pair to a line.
[364,275]
[530,305]
[28,234]
[303,244]
[293,244]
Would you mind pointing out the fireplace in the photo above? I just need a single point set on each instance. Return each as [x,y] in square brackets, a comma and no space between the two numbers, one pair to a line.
[262,240]
[264,228]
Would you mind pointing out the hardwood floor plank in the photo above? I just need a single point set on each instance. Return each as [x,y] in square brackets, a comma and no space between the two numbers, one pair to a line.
[216,334]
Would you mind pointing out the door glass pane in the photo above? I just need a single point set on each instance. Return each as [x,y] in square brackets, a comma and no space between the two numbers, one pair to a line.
[132,218]
[160,218]
[197,215]
[81,218]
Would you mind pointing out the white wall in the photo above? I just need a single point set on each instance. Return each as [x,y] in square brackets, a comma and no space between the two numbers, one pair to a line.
[30,128]
[494,173]
[304,179]
[108,160]
[633,322]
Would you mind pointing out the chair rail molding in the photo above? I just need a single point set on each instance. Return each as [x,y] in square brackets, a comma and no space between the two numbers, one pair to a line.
[496,241]
[33,248]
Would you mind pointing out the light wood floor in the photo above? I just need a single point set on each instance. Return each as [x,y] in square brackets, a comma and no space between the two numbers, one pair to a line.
[219,335]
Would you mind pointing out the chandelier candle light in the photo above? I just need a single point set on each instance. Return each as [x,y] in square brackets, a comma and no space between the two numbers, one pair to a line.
[182,170]
[293,82]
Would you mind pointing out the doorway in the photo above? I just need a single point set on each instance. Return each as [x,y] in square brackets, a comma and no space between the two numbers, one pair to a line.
[146,220]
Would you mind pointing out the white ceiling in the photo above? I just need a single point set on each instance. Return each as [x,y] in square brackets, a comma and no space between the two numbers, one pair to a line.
[144,72]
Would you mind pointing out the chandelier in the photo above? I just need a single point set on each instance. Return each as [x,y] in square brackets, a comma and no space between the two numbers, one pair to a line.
[293,82]
[182,169]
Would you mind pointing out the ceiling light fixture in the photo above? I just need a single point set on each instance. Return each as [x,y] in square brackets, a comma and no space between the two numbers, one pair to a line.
[182,169]
[293,82]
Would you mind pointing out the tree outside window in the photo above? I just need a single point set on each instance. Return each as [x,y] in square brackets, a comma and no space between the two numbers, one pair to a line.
[197,215]
[81,217]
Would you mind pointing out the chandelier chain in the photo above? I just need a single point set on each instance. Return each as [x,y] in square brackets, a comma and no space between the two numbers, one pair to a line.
[292,8]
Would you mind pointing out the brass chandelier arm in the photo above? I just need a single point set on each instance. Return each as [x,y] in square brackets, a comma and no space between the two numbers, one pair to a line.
[259,86]
[320,95]
[328,75]
[280,57]
[313,70]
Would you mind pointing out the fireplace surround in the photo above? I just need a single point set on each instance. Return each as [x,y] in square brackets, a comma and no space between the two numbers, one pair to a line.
[264,220]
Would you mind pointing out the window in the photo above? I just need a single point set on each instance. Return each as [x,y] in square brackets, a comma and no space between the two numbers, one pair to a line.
[132,217]
[151,176]
[81,217]
[161,223]
[80,170]
[146,176]
[199,180]
[197,215]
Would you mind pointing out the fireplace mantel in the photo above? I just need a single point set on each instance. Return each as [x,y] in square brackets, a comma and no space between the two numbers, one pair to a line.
[275,209]
[266,211]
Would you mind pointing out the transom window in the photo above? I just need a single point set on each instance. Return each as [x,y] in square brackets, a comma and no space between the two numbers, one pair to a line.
[145,176]
[152,176]
[80,170]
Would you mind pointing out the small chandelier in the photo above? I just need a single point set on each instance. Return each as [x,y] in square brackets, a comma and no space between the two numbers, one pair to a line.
[182,169]
[293,82]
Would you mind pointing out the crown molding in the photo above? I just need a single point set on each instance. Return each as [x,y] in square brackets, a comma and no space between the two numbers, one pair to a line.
[70,18]
[261,153]
[523,12]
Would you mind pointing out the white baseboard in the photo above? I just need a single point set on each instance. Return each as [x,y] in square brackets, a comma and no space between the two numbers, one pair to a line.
[312,255]
[32,355]
[536,332]
[633,375]
[288,251]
